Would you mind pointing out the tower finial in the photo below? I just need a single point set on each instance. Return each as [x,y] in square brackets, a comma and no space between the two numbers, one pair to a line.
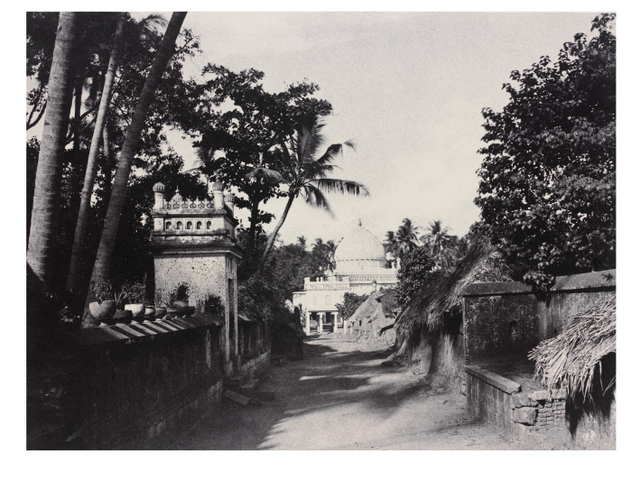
[359,222]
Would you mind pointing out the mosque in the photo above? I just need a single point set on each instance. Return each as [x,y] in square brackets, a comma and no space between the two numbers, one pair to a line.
[360,269]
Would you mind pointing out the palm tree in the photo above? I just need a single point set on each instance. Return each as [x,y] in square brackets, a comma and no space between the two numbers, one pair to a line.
[107,240]
[391,247]
[305,172]
[438,238]
[73,278]
[406,238]
[441,245]
[46,198]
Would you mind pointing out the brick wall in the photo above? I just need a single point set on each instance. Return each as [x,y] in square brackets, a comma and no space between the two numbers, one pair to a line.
[124,386]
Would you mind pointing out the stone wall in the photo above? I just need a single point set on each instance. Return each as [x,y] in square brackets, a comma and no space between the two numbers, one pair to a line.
[255,346]
[502,323]
[536,417]
[124,386]
[509,319]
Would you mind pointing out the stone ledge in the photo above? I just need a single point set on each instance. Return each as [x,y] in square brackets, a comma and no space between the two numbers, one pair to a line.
[143,331]
[493,379]
[603,280]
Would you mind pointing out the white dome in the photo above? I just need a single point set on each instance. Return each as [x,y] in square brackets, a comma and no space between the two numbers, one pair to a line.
[359,250]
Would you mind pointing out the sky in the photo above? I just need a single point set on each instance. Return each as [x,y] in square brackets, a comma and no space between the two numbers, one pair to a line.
[408,88]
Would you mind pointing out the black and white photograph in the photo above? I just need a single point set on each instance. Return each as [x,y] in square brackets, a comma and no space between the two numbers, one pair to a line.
[325,230]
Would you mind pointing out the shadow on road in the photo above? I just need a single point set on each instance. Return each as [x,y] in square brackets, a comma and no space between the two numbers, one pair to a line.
[340,383]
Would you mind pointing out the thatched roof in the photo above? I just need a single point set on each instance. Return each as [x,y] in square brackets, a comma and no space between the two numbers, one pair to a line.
[570,359]
[442,293]
[370,309]
[389,303]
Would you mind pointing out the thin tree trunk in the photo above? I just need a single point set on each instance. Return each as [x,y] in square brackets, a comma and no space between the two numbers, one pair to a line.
[46,198]
[253,220]
[274,234]
[75,178]
[73,279]
[107,153]
[107,240]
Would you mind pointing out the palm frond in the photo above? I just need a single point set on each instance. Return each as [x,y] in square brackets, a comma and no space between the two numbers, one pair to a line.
[334,185]
[330,154]
[267,174]
[314,197]
[308,140]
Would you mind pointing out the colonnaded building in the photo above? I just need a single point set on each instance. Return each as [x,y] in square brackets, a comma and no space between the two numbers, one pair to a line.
[360,269]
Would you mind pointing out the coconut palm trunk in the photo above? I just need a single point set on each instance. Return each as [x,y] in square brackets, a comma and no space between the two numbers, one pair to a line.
[46,198]
[272,238]
[107,240]
[73,279]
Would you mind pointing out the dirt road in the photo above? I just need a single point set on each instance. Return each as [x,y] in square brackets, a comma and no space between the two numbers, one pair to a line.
[341,398]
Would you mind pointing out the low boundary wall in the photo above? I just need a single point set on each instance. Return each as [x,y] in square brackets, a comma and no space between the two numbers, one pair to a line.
[502,323]
[123,386]
[500,401]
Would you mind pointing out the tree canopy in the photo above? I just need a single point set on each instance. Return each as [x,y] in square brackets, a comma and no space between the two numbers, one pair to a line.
[547,180]
[240,129]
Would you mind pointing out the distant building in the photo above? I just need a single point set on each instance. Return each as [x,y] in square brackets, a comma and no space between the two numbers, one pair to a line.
[360,269]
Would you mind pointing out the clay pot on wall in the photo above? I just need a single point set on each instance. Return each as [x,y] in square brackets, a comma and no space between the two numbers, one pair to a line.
[182,306]
[149,312]
[103,311]
[137,309]
[122,316]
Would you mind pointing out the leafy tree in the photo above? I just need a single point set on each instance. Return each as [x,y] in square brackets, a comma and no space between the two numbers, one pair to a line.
[351,303]
[241,126]
[284,274]
[324,252]
[96,37]
[305,173]
[415,269]
[547,181]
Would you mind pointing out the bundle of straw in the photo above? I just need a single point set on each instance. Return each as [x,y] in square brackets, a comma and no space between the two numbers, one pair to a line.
[570,359]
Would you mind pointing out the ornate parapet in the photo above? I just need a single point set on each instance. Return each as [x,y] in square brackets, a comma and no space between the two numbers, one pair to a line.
[196,221]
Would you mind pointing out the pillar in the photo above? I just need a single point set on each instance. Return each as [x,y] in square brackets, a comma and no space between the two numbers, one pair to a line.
[334,316]
[320,321]
[158,196]
[218,194]
[307,327]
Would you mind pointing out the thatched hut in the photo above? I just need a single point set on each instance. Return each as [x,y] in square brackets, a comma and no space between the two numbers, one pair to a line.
[373,315]
[581,357]
[582,361]
[428,329]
